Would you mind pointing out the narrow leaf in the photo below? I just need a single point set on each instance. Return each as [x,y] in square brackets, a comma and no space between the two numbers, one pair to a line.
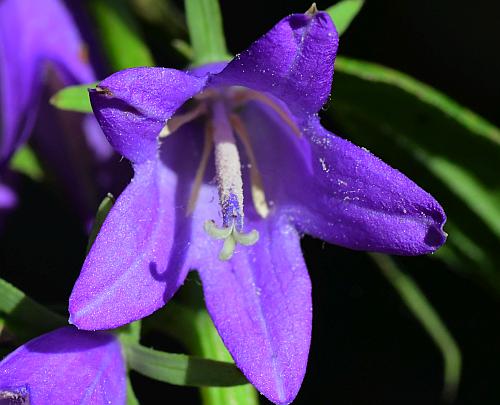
[344,12]
[102,213]
[450,151]
[381,74]
[131,398]
[26,317]
[423,311]
[205,31]
[119,34]
[180,369]
[25,161]
[74,98]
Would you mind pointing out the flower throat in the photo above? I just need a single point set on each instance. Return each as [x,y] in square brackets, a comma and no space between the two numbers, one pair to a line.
[220,127]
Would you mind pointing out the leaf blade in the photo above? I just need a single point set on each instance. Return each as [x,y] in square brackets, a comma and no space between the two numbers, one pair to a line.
[344,12]
[73,98]
[181,369]
[206,32]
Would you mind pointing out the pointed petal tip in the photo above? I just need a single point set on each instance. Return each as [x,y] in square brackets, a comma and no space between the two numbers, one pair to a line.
[436,235]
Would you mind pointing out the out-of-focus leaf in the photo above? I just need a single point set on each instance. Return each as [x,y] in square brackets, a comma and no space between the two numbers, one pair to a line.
[183,48]
[192,326]
[26,317]
[25,161]
[102,212]
[205,31]
[74,98]
[344,12]
[119,34]
[424,312]
[447,149]
[181,369]
[163,13]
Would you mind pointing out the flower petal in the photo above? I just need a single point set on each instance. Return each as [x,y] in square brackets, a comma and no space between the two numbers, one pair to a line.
[132,268]
[29,41]
[66,366]
[260,303]
[133,105]
[357,201]
[294,62]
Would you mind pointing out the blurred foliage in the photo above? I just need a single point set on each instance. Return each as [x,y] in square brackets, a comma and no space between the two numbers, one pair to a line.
[344,12]
[422,132]
[74,98]
[119,34]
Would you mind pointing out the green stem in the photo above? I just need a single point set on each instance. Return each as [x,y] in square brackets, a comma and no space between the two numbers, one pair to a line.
[422,309]
[190,324]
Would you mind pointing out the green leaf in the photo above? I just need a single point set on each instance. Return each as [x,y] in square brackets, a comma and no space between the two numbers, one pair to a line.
[205,31]
[423,311]
[100,216]
[181,369]
[344,12]
[25,161]
[119,34]
[74,98]
[26,317]
[449,150]
[163,13]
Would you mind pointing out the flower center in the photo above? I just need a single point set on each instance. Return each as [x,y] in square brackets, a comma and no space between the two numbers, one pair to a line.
[220,129]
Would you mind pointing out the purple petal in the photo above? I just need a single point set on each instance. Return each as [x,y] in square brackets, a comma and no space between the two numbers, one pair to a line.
[8,198]
[139,258]
[134,104]
[260,303]
[294,62]
[66,366]
[30,41]
[357,201]
[282,156]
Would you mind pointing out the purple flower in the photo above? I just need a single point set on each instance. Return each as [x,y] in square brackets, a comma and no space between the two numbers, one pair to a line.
[41,51]
[232,166]
[65,366]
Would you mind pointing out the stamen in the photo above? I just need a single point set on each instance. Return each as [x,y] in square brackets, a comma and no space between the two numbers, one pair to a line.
[174,123]
[252,95]
[200,172]
[258,195]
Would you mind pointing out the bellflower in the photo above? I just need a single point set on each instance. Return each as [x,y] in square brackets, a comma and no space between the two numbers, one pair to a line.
[41,51]
[65,366]
[232,166]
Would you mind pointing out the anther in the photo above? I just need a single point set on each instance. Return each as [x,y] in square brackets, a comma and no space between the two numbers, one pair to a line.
[202,167]
[174,123]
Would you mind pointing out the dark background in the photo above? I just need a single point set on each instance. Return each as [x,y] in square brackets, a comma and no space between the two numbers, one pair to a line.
[367,348]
